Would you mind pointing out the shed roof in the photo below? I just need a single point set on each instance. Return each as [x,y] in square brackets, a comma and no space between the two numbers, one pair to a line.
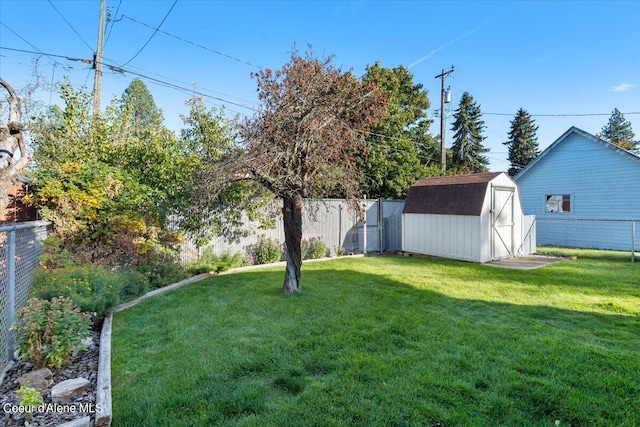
[449,195]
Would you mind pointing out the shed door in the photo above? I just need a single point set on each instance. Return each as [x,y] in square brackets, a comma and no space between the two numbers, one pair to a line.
[502,223]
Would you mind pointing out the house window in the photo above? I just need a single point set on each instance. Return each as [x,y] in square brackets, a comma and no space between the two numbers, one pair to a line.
[558,203]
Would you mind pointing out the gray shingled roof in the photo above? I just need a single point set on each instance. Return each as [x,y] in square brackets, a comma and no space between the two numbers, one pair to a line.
[449,195]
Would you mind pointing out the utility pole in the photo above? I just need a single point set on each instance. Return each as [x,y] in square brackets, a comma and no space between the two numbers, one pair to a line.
[443,150]
[97,58]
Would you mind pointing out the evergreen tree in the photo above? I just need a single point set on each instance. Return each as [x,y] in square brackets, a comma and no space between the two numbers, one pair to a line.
[618,132]
[139,110]
[467,150]
[523,141]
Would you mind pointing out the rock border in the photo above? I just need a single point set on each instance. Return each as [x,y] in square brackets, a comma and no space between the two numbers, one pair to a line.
[104,415]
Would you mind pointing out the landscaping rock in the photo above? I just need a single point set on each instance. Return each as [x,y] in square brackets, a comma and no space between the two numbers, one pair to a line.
[67,390]
[40,379]
[80,422]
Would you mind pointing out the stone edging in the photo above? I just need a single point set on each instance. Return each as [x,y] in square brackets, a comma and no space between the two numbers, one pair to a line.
[103,392]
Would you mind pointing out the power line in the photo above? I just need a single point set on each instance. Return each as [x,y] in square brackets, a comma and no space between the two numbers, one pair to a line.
[154,33]
[51,55]
[26,41]
[561,115]
[69,24]
[194,44]
[113,21]
[121,70]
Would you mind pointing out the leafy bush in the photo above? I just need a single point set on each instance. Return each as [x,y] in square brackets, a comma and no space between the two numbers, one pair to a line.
[49,331]
[211,262]
[30,398]
[132,285]
[161,269]
[93,289]
[266,251]
[313,248]
[54,255]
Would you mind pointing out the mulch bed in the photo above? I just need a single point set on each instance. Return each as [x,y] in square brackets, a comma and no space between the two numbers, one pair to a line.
[84,364]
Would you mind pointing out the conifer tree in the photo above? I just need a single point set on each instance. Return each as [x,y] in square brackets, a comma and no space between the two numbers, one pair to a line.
[618,132]
[467,150]
[523,141]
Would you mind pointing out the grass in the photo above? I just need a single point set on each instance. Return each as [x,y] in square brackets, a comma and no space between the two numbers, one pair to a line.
[387,341]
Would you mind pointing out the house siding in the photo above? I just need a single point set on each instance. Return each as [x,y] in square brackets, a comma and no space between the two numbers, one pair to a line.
[603,182]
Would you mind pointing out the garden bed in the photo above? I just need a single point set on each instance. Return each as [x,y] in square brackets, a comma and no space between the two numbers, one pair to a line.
[84,365]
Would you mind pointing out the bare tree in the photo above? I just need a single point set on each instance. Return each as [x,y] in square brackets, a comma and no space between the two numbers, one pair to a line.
[305,139]
[11,140]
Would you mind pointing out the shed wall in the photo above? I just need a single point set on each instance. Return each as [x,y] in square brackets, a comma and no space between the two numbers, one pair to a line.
[468,238]
[447,236]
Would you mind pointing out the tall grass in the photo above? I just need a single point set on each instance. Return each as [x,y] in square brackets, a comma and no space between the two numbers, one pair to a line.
[387,342]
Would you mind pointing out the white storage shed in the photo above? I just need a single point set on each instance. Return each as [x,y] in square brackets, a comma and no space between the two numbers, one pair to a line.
[476,217]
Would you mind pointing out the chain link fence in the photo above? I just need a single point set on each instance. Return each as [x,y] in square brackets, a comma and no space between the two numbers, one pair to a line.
[20,248]
[590,233]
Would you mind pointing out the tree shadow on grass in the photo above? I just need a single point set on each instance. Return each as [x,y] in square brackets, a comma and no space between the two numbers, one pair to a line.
[362,349]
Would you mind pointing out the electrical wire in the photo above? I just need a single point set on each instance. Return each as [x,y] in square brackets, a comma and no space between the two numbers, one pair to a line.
[113,21]
[152,35]
[561,115]
[39,52]
[193,43]
[69,24]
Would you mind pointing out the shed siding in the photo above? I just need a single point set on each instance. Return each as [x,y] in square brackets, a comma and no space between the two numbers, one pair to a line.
[448,236]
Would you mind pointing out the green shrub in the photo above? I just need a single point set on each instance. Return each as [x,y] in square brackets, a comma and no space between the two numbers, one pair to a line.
[132,285]
[54,255]
[93,289]
[30,398]
[313,248]
[209,261]
[161,269]
[49,331]
[266,251]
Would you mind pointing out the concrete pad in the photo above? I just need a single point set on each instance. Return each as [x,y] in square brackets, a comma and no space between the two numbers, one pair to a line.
[528,262]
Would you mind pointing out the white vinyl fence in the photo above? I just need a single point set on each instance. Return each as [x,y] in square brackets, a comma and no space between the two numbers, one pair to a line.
[331,220]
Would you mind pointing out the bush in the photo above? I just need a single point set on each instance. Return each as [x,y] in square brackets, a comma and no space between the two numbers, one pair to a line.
[30,398]
[313,248]
[160,269]
[266,251]
[211,262]
[132,285]
[49,331]
[54,255]
[92,288]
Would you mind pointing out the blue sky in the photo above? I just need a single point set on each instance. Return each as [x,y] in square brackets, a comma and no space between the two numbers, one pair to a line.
[561,61]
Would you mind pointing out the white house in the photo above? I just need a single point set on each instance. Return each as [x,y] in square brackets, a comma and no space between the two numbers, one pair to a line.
[476,217]
[584,192]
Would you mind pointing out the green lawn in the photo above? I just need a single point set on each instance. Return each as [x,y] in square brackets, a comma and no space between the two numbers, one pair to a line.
[387,341]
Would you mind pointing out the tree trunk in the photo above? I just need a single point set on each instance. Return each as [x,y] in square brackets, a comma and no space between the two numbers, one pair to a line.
[10,141]
[292,213]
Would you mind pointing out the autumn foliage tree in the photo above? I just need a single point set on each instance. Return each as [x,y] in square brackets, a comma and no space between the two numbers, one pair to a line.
[306,138]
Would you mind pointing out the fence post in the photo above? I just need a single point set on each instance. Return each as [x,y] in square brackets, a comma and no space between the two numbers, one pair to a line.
[364,222]
[633,241]
[11,288]
[380,224]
